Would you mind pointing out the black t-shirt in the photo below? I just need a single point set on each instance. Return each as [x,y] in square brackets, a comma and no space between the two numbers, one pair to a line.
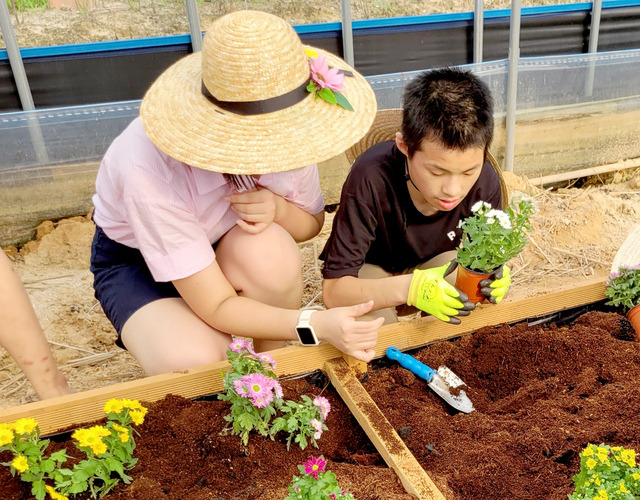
[377,222]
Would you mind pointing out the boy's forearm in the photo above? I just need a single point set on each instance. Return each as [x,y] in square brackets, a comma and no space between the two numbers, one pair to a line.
[349,290]
[299,224]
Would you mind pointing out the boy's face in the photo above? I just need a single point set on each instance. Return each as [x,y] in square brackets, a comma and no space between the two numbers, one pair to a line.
[443,177]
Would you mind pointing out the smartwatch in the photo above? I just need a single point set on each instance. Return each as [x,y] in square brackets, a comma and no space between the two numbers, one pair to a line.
[306,333]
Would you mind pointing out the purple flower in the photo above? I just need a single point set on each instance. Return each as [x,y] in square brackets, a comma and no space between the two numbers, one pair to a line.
[324,76]
[323,404]
[257,384]
[315,466]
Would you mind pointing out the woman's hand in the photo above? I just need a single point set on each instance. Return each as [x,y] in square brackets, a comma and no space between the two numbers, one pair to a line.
[339,327]
[256,208]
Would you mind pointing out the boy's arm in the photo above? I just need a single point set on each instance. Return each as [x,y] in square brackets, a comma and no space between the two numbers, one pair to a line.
[22,336]
[299,224]
[349,290]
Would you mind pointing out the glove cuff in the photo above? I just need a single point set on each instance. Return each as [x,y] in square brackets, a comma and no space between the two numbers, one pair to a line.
[414,287]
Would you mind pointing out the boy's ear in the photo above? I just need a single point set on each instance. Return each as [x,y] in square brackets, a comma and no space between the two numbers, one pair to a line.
[402,146]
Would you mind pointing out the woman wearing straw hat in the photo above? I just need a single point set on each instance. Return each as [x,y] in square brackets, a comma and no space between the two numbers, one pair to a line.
[200,201]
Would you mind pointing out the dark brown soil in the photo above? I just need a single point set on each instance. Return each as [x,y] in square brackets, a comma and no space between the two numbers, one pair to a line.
[541,394]
[183,456]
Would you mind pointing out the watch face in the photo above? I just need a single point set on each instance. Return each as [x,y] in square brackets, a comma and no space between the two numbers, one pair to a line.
[306,336]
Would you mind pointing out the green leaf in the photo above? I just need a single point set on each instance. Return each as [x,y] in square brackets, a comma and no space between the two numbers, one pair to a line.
[311,87]
[38,490]
[327,95]
[342,101]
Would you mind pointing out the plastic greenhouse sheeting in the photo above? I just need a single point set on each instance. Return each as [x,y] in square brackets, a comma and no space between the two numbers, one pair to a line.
[555,87]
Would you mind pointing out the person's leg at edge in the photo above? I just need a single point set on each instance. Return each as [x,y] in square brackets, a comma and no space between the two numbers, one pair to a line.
[166,335]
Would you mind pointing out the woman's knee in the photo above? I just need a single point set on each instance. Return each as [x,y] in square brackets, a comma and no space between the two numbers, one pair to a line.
[269,261]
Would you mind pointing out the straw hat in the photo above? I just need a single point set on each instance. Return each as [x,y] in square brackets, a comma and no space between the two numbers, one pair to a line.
[628,255]
[252,60]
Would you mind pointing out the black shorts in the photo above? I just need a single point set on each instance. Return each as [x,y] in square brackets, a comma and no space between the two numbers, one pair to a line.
[122,281]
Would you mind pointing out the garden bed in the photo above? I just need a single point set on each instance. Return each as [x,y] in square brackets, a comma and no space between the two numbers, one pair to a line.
[541,394]
[183,456]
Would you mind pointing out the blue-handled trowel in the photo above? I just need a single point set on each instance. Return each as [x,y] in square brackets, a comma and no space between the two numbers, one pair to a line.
[442,381]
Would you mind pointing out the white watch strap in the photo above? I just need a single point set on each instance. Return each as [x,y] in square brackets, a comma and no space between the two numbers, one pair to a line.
[305,317]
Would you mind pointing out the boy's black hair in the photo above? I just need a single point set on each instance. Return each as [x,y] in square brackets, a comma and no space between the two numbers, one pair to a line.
[451,106]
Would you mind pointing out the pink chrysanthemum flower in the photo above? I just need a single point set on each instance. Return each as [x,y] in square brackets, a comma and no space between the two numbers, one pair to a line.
[241,388]
[323,404]
[317,426]
[262,400]
[257,384]
[277,389]
[332,496]
[267,359]
[240,345]
[315,466]
[324,76]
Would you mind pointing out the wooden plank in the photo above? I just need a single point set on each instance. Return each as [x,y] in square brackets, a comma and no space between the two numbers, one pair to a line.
[59,413]
[382,434]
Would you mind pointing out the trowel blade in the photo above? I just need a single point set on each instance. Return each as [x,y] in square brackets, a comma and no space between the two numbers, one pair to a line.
[446,384]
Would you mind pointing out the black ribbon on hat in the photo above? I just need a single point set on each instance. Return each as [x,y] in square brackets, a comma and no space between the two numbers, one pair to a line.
[265,105]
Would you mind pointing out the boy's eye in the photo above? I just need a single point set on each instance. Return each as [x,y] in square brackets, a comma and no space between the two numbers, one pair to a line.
[436,173]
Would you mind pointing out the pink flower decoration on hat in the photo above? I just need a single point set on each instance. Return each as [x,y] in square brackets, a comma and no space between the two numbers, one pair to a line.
[324,76]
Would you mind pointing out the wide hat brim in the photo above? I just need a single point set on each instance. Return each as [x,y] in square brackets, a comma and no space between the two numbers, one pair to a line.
[184,124]
[628,255]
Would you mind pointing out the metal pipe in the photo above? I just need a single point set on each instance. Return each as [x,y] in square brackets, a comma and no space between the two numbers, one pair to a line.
[347,31]
[478,30]
[194,25]
[512,84]
[15,60]
[594,32]
[22,83]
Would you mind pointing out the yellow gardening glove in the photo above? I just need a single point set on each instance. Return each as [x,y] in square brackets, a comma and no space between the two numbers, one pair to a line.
[496,287]
[431,293]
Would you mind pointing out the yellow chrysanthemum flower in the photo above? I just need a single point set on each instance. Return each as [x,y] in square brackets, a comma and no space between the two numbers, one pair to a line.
[6,436]
[25,426]
[591,463]
[596,480]
[54,494]
[629,457]
[123,432]
[92,438]
[636,476]
[137,416]
[623,488]
[113,406]
[20,463]
[588,452]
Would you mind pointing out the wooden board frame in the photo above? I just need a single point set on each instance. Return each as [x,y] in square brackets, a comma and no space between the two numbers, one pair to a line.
[63,412]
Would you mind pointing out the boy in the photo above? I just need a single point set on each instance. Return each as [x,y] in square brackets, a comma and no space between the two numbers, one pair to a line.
[397,226]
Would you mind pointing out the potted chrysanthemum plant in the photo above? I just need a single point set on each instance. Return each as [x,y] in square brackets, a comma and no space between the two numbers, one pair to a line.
[490,238]
[623,291]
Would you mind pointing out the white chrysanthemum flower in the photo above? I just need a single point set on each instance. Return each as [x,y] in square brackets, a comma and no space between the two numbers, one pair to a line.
[503,218]
[480,205]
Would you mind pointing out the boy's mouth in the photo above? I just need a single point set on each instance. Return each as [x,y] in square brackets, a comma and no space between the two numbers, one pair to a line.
[448,204]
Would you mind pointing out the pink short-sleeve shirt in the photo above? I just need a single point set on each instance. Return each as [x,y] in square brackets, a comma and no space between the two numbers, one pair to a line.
[174,213]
